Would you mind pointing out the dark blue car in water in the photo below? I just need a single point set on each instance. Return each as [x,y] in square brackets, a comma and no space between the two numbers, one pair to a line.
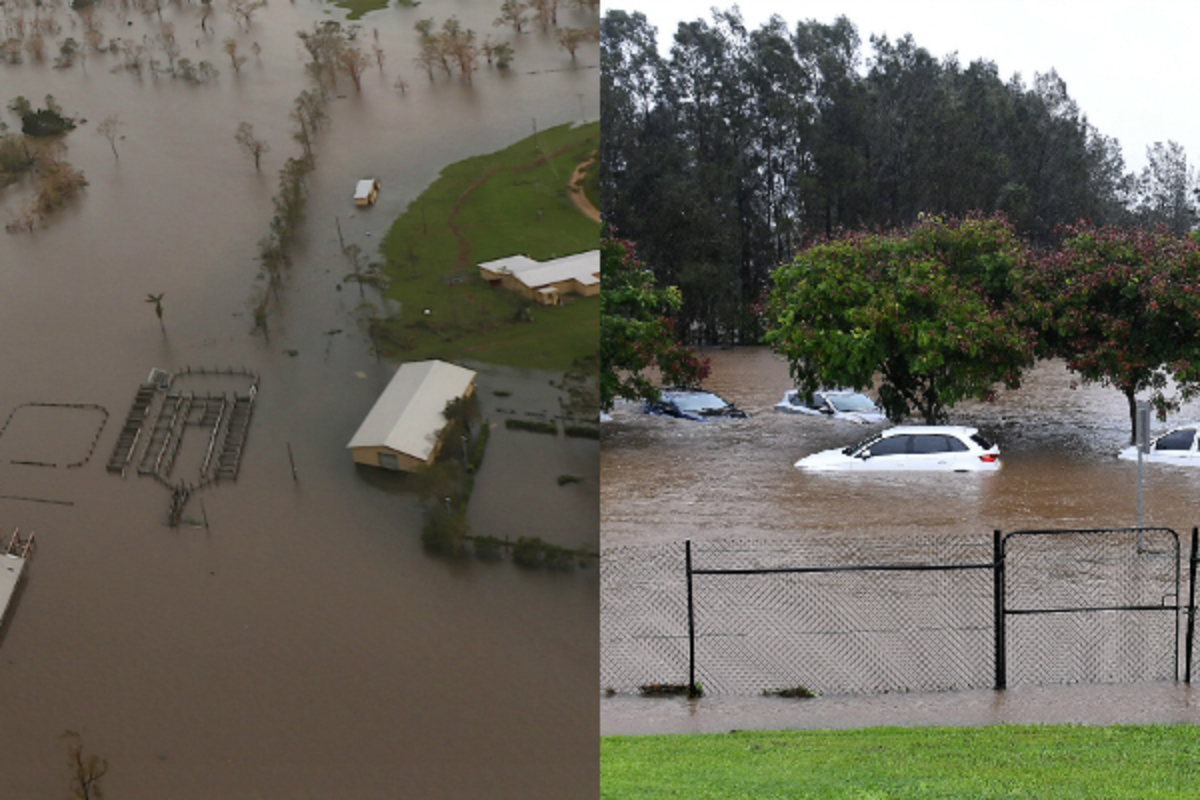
[692,404]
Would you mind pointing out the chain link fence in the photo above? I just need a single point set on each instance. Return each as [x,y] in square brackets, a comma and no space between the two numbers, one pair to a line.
[1092,606]
[852,616]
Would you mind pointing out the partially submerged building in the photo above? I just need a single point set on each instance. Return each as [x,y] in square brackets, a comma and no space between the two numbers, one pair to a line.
[545,282]
[401,430]
[13,555]
[366,192]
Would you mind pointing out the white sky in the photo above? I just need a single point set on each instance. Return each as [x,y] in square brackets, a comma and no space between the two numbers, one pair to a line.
[1131,67]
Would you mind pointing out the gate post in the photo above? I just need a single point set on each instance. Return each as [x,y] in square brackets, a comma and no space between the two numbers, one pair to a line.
[1191,609]
[998,610]
[691,622]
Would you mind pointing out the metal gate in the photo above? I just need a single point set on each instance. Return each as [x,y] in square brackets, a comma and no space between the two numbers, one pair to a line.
[1090,606]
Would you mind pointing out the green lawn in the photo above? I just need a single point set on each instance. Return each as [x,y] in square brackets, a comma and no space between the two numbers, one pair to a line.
[513,201]
[1051,761]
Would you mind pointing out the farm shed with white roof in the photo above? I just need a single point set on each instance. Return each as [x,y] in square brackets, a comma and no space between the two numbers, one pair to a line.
[546,281]
[401,430]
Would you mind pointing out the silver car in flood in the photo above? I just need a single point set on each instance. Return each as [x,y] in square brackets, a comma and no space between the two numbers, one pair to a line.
[915,448]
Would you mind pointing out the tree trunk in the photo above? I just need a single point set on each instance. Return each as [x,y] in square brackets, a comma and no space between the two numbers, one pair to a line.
[1129,396]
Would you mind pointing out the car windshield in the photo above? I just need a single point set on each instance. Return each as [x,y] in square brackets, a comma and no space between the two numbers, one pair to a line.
[854,448]
[851,402]
[698,401]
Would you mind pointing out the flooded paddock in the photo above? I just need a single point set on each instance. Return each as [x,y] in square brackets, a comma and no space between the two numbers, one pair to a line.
[302,643]
[733,481]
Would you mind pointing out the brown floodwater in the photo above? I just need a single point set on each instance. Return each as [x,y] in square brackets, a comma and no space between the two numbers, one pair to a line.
[666,480]
[303,644]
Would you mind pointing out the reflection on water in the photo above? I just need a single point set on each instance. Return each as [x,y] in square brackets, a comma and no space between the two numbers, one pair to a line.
[303,643]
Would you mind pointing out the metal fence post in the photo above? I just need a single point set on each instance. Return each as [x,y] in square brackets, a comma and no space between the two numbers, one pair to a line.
[691,623]
[1191,610]
[998,595]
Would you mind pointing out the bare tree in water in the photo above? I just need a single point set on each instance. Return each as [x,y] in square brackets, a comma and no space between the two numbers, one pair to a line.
[157,300]
[86,771]
[252,145]
[108,128]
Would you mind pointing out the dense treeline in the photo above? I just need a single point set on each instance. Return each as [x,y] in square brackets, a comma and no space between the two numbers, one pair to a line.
[741,146]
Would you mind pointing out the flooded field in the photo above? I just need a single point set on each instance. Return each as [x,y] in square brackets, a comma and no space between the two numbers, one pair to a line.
[667,480]
[302,644]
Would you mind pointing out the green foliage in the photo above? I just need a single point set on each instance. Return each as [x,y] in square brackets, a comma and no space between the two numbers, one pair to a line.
[532,426]
[929,310]
[532,552]
[15,158]
[1122,308]
[1066,762]
[635,332]
[488,548]
[742,145]
[480,209]
[41,122]
[446,532]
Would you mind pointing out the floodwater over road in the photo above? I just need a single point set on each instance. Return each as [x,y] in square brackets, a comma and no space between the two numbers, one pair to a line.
[665,480]
[303,644]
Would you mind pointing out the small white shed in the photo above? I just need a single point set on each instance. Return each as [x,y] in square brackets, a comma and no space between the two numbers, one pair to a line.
[366,192]
[401,430]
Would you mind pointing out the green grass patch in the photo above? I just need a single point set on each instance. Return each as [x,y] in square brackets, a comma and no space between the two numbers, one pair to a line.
[515,201]
[1059,761]
[359,7]
[532,425]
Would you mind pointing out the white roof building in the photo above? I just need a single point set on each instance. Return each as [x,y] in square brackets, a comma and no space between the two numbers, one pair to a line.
[545,280]
[401,430]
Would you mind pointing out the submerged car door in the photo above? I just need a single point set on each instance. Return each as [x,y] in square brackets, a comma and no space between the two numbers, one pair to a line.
[935,452]
[891,452]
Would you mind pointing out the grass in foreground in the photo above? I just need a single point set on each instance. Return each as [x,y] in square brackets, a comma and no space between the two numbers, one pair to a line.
[512,201]
[1051,761]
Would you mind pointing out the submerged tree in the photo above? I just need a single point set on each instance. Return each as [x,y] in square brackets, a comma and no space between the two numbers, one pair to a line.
[251,145]
[930,311]
[636,333]
[1122,308]
[109,127]
[156,299]
[86,771]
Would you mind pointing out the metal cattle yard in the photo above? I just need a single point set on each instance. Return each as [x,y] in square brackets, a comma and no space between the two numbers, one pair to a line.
[162,415]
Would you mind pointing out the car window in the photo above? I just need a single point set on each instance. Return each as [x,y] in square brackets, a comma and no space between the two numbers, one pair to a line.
[1176,440]
[982,442]
[956,445]
[927,443]
[861,447]
[890,446]
[851,402]
[701,401]
[818,402]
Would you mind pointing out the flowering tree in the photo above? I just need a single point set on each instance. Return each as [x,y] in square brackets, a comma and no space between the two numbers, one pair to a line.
[1122,308]
[928,312]
[635,332]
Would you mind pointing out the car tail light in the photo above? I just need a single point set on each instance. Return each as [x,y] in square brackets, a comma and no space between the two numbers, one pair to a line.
[989,458]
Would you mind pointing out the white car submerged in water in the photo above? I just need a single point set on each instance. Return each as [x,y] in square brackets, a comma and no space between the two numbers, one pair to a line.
[937,448]
[840,404]
[1176,446]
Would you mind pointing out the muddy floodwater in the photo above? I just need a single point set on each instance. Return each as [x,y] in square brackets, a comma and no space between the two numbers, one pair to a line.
[666,480]
[302,644]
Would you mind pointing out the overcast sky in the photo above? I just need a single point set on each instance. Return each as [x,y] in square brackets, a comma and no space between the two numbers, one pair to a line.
[1131,67]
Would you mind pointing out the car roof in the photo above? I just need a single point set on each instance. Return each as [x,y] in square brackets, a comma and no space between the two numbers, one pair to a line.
[954,430]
